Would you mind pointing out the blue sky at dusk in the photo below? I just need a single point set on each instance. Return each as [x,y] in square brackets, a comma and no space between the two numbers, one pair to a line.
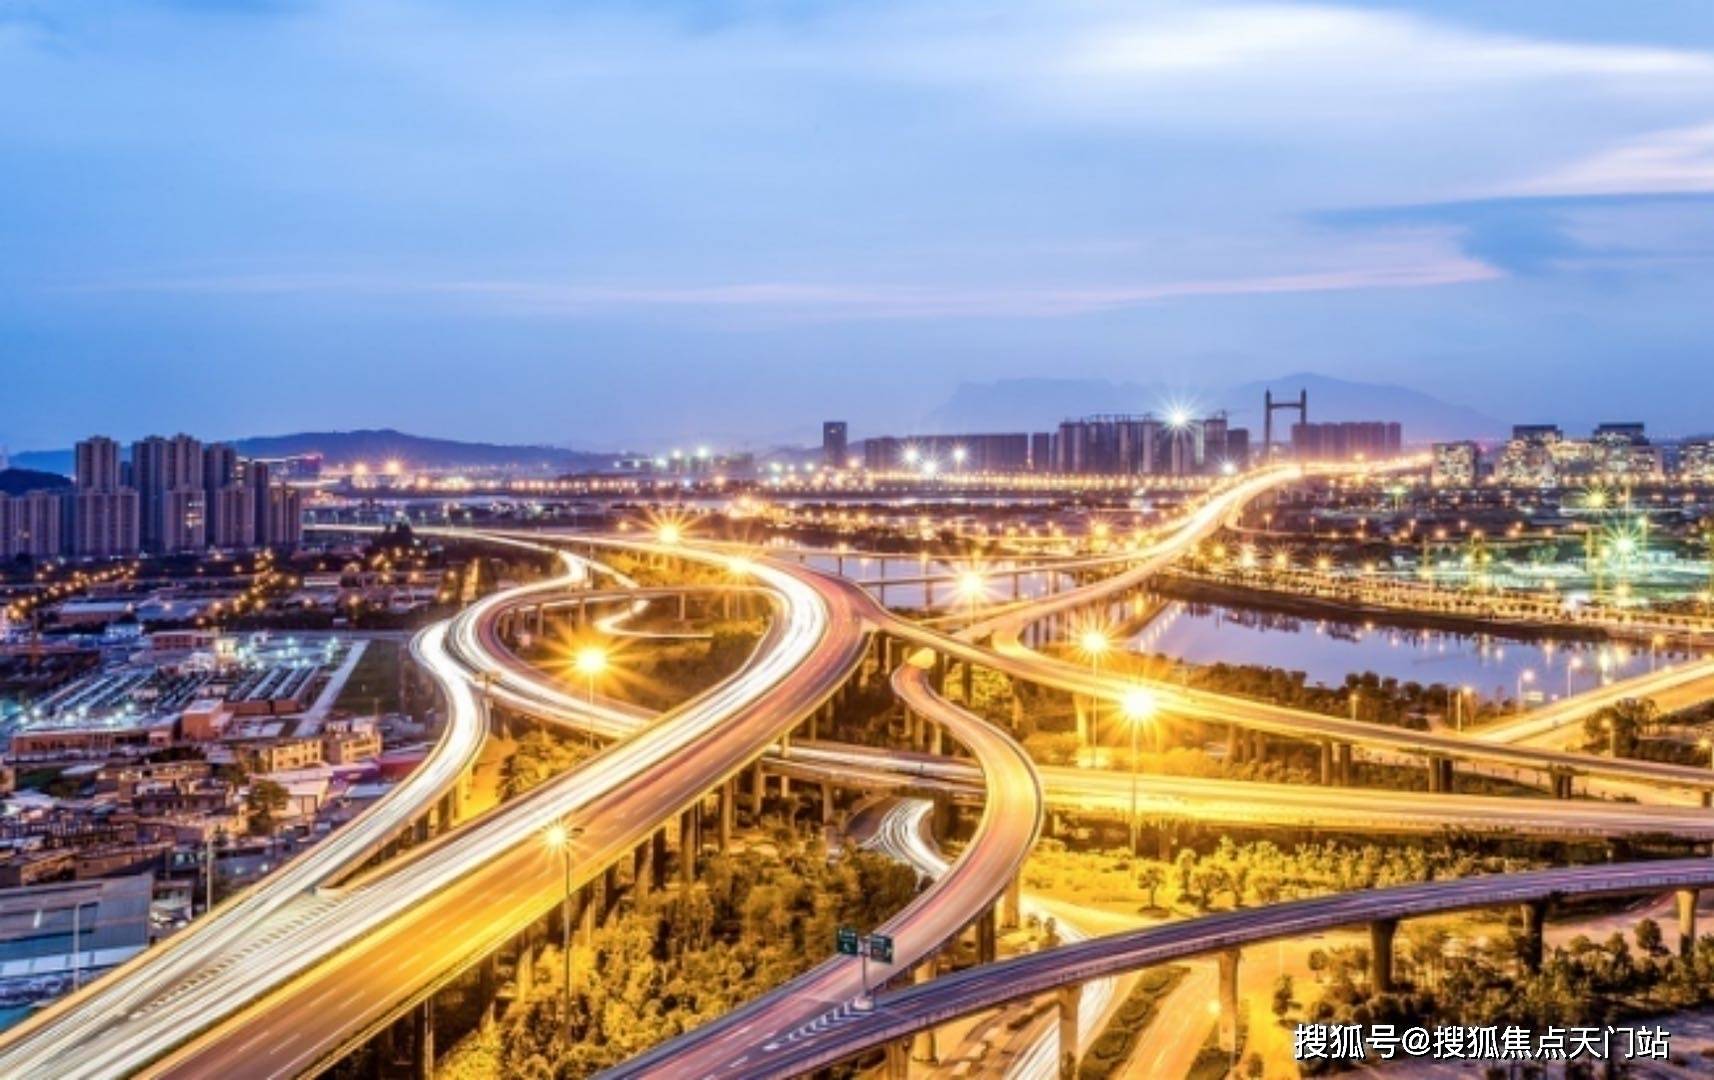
[587,223]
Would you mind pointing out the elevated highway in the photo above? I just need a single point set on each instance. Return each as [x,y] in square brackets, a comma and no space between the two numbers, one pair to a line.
[898,1015]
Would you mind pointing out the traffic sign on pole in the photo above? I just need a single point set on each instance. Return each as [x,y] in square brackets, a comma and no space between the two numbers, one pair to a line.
[881,948]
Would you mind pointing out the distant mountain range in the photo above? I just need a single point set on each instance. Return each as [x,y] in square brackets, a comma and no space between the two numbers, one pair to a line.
[1040,404]
[377,446]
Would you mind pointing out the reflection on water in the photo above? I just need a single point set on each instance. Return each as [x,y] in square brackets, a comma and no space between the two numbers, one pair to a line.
[1327,651]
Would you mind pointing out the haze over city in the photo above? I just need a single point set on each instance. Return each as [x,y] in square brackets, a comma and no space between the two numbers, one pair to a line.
[292,216]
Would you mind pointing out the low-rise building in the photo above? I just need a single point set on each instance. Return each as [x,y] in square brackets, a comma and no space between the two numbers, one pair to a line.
[1456,464]
[280,755]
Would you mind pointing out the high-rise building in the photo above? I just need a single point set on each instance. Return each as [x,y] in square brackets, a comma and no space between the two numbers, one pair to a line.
[285,517]
[30,524]
[1237,450]
[1109,445]
[277,508]
[833,444]
[1041,451]
[1696,461]
[1346,440]
[1624,433]
[1456,464]
[169,478]
[104,523]
[97,464]
[219,466]
[228,501]
[1145,445]
[101,518]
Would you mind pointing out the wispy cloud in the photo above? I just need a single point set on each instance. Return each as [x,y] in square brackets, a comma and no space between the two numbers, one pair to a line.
[1679,161]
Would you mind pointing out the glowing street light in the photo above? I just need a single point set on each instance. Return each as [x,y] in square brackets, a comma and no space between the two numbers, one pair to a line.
[1526,676]
[972,586]
[1138,708]
[559,837]
[1094,643]
[669,533]
[590,662]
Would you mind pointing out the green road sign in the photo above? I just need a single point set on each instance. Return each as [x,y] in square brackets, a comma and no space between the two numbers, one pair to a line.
[881,948]
[846,941]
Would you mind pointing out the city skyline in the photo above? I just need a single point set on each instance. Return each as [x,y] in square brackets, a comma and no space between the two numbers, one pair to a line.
[758,211]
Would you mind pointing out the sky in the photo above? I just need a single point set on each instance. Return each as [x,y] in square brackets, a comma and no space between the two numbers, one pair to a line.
[599,224]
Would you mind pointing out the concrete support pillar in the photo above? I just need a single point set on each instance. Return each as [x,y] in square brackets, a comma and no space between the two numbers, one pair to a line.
[488,986]
[643,869]
[1534,915]
[1234,745]
[422,1025]
[827,808]
[728,811]
[968,677]
[1011,904]
[1227,998]
[945,817]
[814,724]
[937,739]
[1327,777]
[987,937]
[899,1060]
[1434,775]
[1068,999]
[588,912]
[925,1047]
[658,844]
[1561,784]
[1345,771]
[524,967]
[1258,747]
[687,845]
[1381,933]
[1017,711]
[1686,921]
[758,789]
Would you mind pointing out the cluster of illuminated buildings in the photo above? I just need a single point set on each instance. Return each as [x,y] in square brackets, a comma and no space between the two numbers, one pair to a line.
[1177,444]
[1540,455]
[169,496]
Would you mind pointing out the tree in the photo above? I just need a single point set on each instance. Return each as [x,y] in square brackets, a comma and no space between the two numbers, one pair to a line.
[1151,877]
[1183,868]
[1283,1002]
[265,800]
[1650,939]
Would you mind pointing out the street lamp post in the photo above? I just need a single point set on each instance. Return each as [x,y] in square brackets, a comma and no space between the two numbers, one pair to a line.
[559,837]
[591,660]
[1575,663]
[1138,707]
[972,586]
[1527,675]
[1094,644]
